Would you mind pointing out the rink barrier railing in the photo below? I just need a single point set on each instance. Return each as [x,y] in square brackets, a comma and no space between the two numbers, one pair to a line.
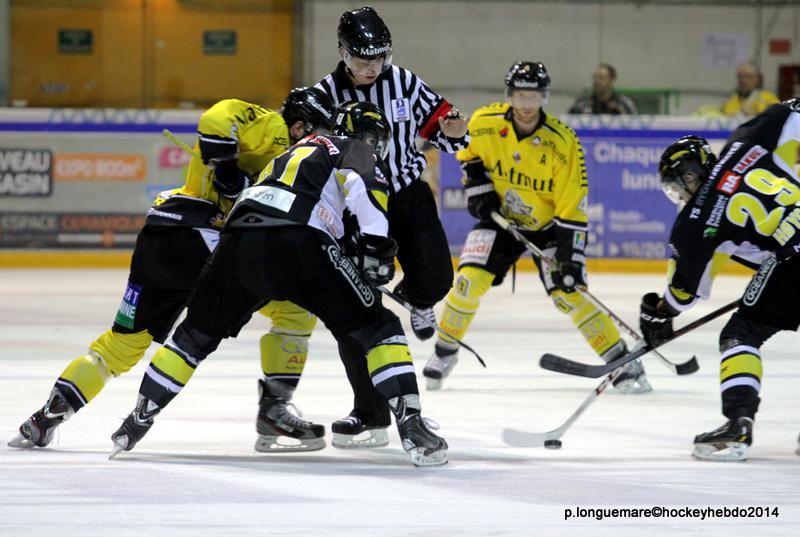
[53,259]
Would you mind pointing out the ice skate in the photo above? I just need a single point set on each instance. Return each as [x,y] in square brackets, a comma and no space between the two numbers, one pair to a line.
[423,321]
[424,446]
[134,427]
[281,430]
[439,367]
[633,379]
[353,432]
[37,431]
[728,442]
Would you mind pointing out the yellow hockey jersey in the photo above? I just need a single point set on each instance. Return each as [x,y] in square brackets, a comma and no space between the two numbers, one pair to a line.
[540,178]
[261,135]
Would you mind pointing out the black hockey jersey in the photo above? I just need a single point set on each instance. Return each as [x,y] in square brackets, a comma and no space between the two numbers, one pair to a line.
[313,183]
[748,208]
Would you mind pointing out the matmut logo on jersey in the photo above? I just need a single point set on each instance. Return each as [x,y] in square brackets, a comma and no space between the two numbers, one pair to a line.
[749,159]
[729,183]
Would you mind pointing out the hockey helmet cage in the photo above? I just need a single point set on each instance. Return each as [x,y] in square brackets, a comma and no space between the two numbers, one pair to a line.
[366,122]
[685,164]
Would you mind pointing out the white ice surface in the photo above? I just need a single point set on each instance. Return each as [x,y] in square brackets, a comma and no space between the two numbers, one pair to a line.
[196,473]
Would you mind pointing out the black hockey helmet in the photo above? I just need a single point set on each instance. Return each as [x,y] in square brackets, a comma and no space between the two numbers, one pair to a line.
[363,34]
[366,122]
[528,76]
[685,165]
[310,105]
[792,104]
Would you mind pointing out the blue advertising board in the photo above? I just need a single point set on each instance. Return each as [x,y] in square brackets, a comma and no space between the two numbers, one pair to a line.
[629,216]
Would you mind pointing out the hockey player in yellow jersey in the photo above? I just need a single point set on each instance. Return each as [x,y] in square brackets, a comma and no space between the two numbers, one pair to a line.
[236,140]
[529,167]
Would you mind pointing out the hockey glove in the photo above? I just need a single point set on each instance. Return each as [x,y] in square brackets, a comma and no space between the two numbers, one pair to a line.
[376,258]
[785,254]
[229,180]
[482,198]
[571,271]
[655,324]
[481,205]
[569,276]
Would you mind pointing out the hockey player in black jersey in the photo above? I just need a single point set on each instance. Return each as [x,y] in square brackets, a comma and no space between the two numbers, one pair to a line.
[366,73]
[236,139]
[745,207]
[280,243]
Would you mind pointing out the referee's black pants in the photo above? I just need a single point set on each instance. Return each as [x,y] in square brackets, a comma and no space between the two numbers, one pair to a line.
[424,255]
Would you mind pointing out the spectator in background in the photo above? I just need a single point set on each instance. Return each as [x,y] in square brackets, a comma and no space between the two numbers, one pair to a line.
[604,99]
[749,98]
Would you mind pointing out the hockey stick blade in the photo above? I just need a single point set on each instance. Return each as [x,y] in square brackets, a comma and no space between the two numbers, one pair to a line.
[678,369]
[552,362]
[517,438]
[412,309]
[688,367]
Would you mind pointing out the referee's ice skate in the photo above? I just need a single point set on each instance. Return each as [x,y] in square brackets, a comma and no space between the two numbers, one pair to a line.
[354,431]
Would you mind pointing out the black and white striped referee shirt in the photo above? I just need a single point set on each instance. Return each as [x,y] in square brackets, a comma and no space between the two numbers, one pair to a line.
[413,110]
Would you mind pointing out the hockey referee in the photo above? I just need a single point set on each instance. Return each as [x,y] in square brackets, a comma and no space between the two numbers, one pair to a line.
[366,73]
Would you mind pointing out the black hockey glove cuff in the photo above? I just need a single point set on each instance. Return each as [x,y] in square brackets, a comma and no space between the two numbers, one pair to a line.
[229,180]
[376,258]
[570,244]
[482,198]
[655,324]
[481,201]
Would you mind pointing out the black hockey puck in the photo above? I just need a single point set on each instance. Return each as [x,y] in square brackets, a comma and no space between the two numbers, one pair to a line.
[552,444]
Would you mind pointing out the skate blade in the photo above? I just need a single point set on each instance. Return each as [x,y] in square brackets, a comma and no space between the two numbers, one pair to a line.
[634,386]
[116,450]
[20,442]
[285,444]
[723,451]
[418,457]
[433,385]
[372,438]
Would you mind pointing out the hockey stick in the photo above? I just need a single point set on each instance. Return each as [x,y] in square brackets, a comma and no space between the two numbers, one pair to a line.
[180,143]
[517,438]
[415,311]
[556,363]
[685,368]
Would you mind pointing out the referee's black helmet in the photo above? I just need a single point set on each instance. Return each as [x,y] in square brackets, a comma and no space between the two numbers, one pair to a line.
[363,34]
